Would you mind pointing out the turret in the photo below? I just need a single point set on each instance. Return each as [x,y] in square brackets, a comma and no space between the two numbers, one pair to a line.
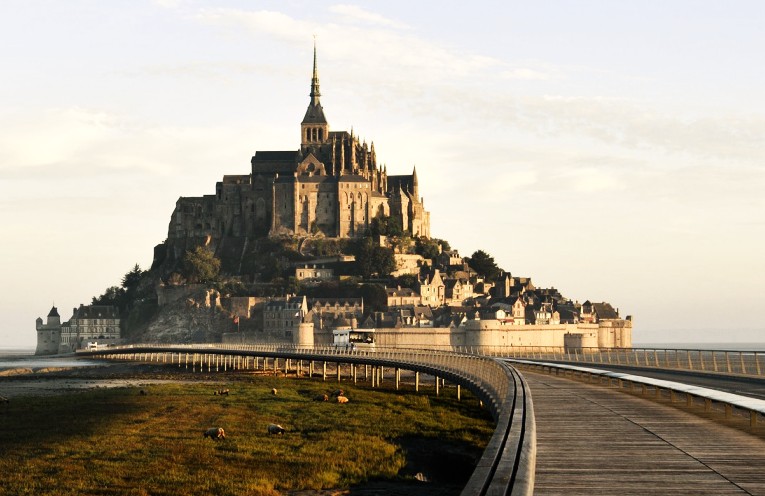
[48,334]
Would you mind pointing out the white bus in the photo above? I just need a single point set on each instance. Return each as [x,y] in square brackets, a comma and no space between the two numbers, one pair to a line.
[354,339]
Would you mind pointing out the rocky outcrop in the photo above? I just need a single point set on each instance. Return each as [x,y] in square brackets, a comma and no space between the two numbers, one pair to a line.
[192,317]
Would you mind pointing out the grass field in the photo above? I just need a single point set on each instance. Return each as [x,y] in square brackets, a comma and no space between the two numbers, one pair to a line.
[119,441]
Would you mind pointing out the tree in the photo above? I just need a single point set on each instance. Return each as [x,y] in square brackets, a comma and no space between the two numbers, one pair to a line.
[483,263]
[112,296]
[372,259]
[123,296]
[383,225]
[428,248]
[201,265]
[410,281]
[131,280]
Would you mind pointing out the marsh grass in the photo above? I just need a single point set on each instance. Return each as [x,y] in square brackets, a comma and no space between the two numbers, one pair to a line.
[117,441]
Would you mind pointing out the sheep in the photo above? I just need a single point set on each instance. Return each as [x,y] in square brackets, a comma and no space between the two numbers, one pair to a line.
[221,392]
[274,391]
[321,397]
[275,429]
[338,392]
[342,399]
[215,433]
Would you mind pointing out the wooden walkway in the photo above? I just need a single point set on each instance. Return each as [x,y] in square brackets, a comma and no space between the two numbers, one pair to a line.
[596,440]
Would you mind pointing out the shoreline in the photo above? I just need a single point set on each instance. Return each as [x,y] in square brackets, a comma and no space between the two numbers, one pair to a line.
[46,380]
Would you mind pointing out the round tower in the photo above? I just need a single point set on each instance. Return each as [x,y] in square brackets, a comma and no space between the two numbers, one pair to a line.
[304,335]
[48,334]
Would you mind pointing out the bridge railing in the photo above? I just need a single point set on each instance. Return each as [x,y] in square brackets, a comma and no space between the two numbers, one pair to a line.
[753,406]
[740,362]
[508,462]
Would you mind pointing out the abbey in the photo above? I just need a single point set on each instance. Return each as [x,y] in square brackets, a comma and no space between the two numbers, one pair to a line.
[333,185]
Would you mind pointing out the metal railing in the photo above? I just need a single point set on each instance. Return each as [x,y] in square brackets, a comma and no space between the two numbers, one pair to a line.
[742,362]
[753,406]
[508,462]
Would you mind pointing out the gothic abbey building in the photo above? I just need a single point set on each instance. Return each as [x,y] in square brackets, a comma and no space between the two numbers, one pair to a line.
[331,186]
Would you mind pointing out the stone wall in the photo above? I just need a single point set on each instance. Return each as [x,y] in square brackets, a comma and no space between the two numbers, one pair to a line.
[487,335]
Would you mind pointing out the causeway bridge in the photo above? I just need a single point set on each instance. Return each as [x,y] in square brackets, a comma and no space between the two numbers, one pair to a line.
[574,422]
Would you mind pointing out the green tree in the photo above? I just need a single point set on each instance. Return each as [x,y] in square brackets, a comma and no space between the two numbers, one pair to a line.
[114,296]
[407,281]
[201,265]
[428,248]
[132,279]
[383,225]
[372,259]
[484,264]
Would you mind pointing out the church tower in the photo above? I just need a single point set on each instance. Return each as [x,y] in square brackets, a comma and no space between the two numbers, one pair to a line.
[314,130]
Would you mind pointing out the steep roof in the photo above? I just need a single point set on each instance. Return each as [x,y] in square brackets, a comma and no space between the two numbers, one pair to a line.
[405,182]
[271,162]
[53,312]
[605,311]
[97,312]
[315,113]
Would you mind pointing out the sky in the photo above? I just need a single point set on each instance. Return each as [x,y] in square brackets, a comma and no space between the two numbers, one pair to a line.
[612,150]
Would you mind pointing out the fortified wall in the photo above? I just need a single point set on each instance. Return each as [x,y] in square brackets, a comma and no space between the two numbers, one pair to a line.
[483,334]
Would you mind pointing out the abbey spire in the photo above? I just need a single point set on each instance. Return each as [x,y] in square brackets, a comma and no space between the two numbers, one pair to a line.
[314,129]
[315,93]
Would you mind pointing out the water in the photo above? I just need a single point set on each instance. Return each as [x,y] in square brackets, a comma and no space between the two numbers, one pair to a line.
[24,358]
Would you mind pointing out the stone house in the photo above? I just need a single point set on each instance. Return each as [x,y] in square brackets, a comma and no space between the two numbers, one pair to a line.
[432,290]
[89,323]
[314,272]
[400,297]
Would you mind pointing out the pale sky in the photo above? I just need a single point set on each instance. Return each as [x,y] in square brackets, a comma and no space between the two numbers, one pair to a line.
[614,150]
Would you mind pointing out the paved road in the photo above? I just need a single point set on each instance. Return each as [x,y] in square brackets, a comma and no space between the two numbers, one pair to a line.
[596,440]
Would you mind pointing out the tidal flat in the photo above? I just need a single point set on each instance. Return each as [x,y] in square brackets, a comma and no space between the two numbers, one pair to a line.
[126,428]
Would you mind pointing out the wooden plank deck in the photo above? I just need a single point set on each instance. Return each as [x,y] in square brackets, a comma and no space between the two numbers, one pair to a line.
[596,440]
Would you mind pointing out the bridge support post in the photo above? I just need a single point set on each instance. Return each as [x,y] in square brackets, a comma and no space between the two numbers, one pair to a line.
[438,384]
[417,381]
[398,378]
[459,395]
[707,404]
[366,373]
[310,368]
[353,371]
[337,366]
[324,371]
[728,411]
